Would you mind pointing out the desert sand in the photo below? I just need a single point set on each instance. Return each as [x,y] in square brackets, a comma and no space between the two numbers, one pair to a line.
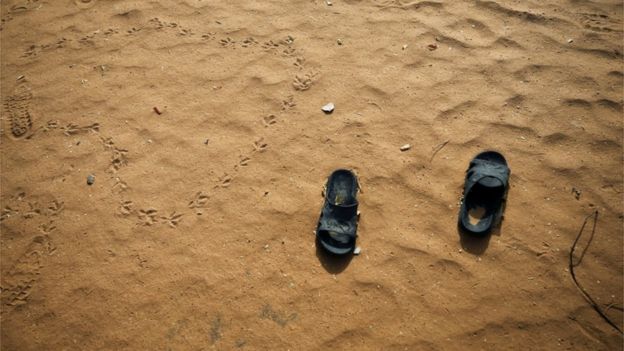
[200,123]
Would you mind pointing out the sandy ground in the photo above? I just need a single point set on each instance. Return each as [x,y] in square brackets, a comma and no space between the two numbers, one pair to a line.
[197,233]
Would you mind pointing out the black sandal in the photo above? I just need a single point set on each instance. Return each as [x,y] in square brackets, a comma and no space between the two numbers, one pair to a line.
[485,193]
[337,226]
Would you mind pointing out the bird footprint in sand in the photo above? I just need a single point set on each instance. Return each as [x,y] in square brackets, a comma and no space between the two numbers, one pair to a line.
[148,217]
[302,83]
[260,145]
[288,103]
[269,120]
[125,207]
[173,219]
[198,202]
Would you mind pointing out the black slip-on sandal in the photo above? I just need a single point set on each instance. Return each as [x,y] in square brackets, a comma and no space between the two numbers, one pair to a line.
[337,226]
[485,193]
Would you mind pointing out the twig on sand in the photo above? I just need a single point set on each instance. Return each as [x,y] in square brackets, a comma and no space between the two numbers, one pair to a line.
[573,264]
[437,149]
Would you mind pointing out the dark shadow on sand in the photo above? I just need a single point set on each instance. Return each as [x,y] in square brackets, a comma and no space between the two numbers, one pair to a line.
[333,264]
[473,244]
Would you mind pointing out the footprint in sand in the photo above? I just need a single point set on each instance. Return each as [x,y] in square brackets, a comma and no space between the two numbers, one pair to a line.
[18,282]
[118,159]
[225,180]
[288,103]
[173,219]
[299,63]
[247,42]
[244,161]
[198,203]
[148,217]
[260,145]
[72,129]
[269,120]
[119,185]
[17,106]
[55,208]
[227,42]
[125,208]
[304,82]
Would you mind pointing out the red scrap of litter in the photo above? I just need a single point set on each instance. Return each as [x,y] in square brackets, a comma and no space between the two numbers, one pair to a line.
[157,111]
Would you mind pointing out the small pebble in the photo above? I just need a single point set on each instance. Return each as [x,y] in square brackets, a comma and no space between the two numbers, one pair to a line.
[404,47]
[357,251]
[339,41]
[406,147]
[328,3]
[329,108]
[570,41]
[90,179]
[432,47]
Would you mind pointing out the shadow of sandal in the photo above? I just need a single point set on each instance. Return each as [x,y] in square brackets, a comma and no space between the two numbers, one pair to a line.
[333,264]
[473,244]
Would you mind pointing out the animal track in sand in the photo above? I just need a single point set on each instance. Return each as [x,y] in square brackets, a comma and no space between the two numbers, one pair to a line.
[260,145]
[285,43]
[119,185]
[118,156]
[269,120]
[7,212]
[72,129]
[148,217]
[18,8]
[173,219]
[288,103]
[55,208]
[600,22]
[249,42]
[198,203]
[281,319]
[227,42]
[125,208]
[17,106]
[225,180]
[19,281]
[244,161]
[304,82]
[299,63]
[32,209]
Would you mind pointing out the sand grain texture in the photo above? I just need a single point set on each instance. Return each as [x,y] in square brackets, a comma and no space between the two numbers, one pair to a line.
[197,231]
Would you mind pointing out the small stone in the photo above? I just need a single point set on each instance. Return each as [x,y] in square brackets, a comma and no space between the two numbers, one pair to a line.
[406,147]
[328,3]
[90,179]
[339,41]
[329,108]
[20,77]
[460,250]
[570,41]
[404,47]
[432,47]
[357,251]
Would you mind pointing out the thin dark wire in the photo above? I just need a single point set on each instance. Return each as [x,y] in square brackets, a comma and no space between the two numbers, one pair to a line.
[587,297]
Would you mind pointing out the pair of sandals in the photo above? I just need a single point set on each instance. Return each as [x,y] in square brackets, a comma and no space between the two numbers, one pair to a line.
[483,202]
